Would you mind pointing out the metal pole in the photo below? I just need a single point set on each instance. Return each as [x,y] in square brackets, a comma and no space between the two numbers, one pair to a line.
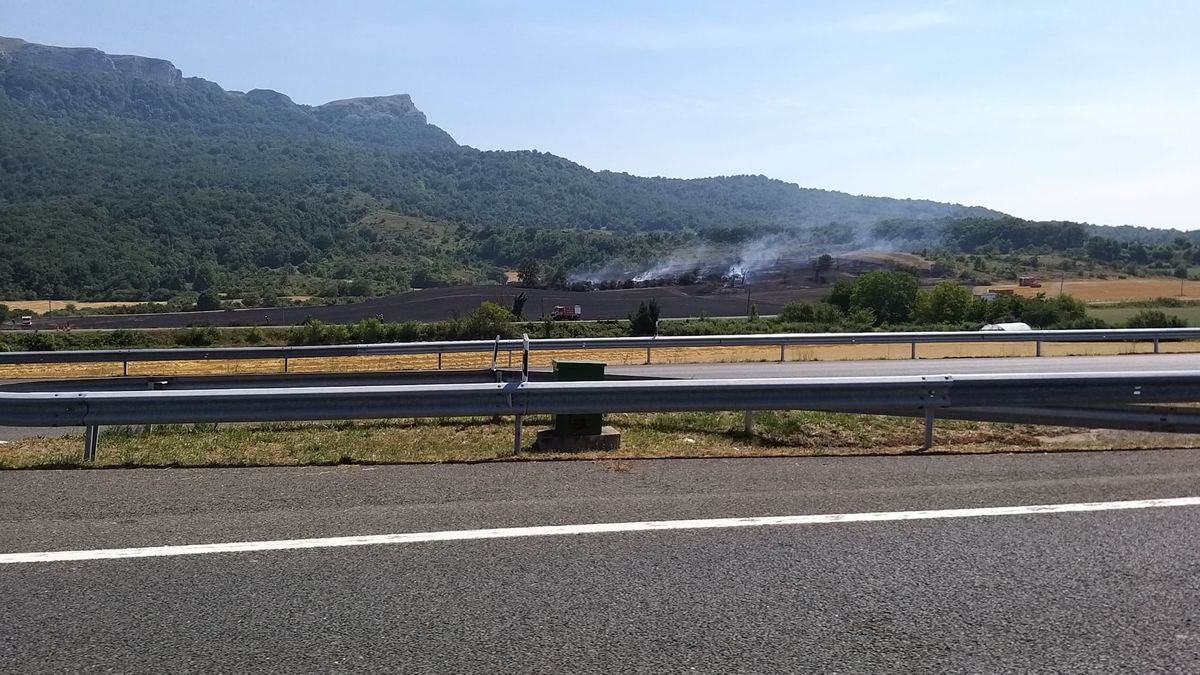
[748,423]
[913,353]
[285,364]
[91,442]
[1155,345]
[495,353]
[746,280]
[647,354]
[439,361]
[524,358]
[1037,348]
[519,422]
[929,417]
[781,354]
[125,367]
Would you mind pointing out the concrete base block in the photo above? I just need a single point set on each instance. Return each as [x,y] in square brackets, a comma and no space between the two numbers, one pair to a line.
[549,440]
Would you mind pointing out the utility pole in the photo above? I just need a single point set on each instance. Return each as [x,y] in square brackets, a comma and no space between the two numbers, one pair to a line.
[1062,282]
[746,281]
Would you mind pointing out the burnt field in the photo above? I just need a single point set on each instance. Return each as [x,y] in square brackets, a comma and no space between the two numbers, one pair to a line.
[438,304]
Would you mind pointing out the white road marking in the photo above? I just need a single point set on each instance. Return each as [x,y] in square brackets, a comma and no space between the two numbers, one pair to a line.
[594,528]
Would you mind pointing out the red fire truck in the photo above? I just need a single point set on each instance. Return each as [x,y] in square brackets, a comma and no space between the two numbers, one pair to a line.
[566,312]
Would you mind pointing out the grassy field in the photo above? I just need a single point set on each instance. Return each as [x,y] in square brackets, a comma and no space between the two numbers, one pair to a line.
[450,440]
[662,435]
[1116,316]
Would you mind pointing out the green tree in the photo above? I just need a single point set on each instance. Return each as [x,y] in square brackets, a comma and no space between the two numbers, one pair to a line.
[518,306]
[205,277]
[890,296]
[488,321]
[645,320]
[208,301]
[841,295]
[947,302]
[529,272]
[557,278]
[821,265]
[798,311]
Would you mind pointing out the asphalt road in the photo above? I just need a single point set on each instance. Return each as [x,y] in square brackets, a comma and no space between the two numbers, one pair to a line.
[1098,592]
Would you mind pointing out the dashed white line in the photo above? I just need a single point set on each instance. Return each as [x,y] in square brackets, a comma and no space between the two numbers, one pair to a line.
[593,528]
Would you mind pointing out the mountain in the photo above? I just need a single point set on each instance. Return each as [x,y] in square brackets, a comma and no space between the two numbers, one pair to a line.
[124,178]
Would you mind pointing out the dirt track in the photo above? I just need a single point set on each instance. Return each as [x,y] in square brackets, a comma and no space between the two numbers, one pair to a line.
[437,304]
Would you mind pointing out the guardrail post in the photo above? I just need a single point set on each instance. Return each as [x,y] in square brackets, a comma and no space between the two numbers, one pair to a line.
[1037,348]
[91,442]
[285,364]
[125,367]
[748,423]
[495,353]
[519,420]
[913,353]
[155,385]
[439,360]
[647,354]
[929,418]
[781,354]
[1155,345]
[524,358]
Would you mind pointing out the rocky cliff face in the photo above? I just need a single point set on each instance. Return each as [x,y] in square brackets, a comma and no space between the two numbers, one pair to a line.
[269,97]
[373,108]
[384,119]
[389,120]
[88,60]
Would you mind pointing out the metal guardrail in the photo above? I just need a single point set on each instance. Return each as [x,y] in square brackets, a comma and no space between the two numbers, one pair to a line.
[1102,400]
[781,340]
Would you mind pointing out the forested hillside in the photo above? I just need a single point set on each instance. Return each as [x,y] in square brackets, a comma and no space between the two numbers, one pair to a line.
[124,179]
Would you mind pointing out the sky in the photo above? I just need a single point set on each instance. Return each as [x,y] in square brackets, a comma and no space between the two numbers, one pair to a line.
[1052,110]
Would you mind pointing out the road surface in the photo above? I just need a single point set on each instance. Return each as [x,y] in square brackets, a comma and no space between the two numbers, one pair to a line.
[1113,590]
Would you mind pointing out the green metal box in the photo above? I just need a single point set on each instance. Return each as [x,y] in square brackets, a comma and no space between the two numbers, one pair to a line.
[589,424]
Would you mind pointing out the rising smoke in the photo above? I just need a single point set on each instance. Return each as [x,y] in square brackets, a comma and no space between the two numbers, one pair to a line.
[788,249]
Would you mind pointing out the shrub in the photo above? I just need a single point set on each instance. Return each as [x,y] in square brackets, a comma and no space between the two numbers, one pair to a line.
[797,312]
[197,336]
[1154,318]
[314,332]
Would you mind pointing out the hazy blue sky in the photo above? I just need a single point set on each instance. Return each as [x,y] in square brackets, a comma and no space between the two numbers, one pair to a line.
[1082,110]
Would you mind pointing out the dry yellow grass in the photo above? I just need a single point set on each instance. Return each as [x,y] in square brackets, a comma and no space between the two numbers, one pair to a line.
[545,359]
[43,305]
[1109,290]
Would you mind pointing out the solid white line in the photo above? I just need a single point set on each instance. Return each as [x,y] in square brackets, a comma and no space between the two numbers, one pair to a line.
[594,528]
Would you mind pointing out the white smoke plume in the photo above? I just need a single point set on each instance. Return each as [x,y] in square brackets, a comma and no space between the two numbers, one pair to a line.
[794,248]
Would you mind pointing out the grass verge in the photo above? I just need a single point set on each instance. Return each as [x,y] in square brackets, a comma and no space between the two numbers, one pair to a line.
[661,435]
